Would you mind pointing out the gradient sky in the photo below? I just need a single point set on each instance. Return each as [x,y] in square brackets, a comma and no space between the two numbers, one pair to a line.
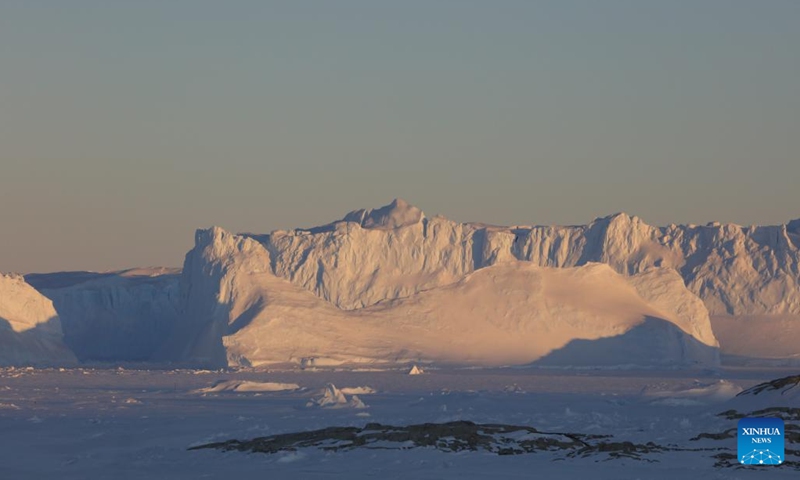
[124,126]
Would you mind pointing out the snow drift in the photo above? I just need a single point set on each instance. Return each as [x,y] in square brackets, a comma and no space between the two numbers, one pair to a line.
[698,394]
[247,386]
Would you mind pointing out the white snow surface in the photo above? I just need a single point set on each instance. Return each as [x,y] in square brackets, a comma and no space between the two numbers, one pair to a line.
[30,330]
[364,390]
[247,386]
[96,424]
[697,394]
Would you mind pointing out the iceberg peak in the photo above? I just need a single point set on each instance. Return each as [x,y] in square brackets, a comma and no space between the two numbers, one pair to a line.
[397,214]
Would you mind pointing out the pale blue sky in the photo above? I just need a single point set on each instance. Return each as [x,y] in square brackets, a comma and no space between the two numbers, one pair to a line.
[126,125]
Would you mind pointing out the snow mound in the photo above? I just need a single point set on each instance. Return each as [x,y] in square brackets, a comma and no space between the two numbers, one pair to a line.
[415,370]
[246,386]
[513,388]
[332,397]
[358,390]
[700,394]
[30,330]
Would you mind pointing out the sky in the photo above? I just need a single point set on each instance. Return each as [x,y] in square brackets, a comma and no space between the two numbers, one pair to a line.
[125,126]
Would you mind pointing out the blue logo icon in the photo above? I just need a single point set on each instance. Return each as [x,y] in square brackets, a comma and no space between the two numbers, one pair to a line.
[760,441]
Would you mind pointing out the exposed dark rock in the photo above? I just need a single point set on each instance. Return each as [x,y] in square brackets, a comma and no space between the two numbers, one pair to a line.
[448,437]
[783,384]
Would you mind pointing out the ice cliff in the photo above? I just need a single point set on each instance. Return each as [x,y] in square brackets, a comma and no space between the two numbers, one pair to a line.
[30,330]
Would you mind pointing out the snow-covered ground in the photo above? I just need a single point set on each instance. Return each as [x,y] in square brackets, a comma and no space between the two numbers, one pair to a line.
[117,423]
